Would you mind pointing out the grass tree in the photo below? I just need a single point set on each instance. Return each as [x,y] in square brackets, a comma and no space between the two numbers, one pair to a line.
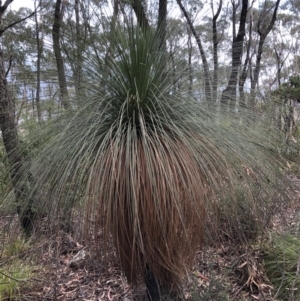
[145,164]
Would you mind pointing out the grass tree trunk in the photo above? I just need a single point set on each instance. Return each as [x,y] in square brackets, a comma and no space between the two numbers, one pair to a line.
[152,286]
[58,16]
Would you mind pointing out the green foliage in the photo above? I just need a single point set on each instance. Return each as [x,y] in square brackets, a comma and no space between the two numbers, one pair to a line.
[282,262]
[14,247]
[291,89]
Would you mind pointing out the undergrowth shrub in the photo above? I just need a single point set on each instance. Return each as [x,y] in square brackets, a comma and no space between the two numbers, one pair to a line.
[13,278]
[15,269]
[282,265]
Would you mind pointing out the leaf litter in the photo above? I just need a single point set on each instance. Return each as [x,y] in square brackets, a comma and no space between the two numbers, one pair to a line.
[224,272]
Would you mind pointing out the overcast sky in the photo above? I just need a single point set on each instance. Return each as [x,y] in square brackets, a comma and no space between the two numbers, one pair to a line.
[19,3]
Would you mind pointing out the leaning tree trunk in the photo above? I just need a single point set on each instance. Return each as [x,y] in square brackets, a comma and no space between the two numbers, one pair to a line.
[140,13]
[162,24]
[39,45]
[207,81]
[10,138]
[229,94]
[215,52]
[263,31]
[12,147]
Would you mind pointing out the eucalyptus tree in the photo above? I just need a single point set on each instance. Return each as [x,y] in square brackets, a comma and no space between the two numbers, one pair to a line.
[207,79]
[39,46]
[140,12]
[27,46]
[265,24]
[9,130]
[229,94]
[162,23]
[287,96]
[59,10]
[285,42]
[216,40]
[246,66]
[18,51]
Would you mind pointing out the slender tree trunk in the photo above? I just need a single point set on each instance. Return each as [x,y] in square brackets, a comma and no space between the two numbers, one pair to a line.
[86,17]
[8,125]
[229,94]
[207,80]
[39,46]
[280,103]
[162,24]
[215,51]
[110,49]
[79,45]
[58,17]
[279,67]
[139,11]
[173,64]
[263,32]
[257,66]
[190,50]
[244,73]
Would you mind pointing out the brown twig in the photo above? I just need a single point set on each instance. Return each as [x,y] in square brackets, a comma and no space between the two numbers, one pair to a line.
[12,278]
[295,280]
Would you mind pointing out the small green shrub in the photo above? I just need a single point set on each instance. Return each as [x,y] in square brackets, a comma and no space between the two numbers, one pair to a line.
[15,247]
[12,277]
[238,217]
[15,269]
[282,261]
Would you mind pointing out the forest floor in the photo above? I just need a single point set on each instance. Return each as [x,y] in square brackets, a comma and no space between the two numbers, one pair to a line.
[226,272]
